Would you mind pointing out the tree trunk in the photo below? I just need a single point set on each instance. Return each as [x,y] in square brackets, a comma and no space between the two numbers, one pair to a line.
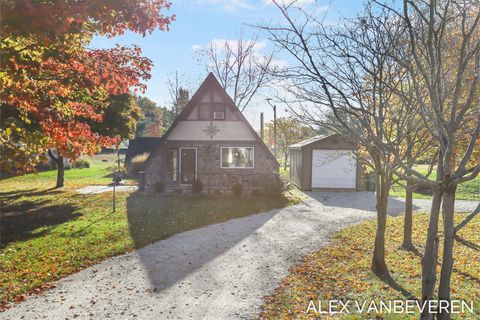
[430,257]
[60,168]
[448,242]
[379,266]
[408,221]
[60,172]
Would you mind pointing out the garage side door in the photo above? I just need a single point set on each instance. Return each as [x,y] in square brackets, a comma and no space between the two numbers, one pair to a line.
[334,169]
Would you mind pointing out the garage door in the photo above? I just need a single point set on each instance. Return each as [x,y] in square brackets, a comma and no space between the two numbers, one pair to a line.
[334,169]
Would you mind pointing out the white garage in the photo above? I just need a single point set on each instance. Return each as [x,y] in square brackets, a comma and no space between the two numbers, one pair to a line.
[334,169]
[326,163]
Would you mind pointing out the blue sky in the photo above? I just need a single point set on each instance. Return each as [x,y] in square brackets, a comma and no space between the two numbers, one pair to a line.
[198,22]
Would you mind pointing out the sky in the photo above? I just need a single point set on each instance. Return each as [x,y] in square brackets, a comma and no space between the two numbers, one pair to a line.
[199,22]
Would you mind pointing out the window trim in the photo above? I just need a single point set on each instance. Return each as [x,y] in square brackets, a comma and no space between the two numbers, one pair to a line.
[177,167]
[237,168]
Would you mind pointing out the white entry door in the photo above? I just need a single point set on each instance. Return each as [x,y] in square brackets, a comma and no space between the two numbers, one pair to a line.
[334,169]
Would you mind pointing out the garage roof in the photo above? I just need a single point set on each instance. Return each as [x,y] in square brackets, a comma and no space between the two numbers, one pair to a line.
[304,143]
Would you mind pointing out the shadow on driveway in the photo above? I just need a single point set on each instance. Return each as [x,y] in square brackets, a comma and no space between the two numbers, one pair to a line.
[153,217]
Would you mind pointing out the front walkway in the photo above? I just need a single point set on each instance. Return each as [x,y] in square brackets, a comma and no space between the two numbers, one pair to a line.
[103,189]
[218,272]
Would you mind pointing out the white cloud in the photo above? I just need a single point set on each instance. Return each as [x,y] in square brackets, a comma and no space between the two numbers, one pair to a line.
[258,50]
[230,5]
[196,47]
[219,44]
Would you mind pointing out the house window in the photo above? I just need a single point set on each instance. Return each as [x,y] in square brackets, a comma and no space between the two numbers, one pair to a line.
[218,115]
[237,157]
[172,165]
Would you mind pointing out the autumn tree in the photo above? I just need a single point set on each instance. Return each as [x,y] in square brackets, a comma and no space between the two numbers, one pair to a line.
[22,143]
[57,83]
[120,117]
[289,131]
[47,19]
[151,122]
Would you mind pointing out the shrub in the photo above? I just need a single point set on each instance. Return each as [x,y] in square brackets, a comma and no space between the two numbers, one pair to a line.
[136,164]
[80,164]
[178,190]
[111,170]
[237,189]
[197,186]
[159,186]
[46,165]
[272,186]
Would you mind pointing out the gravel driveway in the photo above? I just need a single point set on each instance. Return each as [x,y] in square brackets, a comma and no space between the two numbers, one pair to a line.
[217,272]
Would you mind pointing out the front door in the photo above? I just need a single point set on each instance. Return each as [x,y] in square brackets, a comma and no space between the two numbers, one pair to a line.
[188,165]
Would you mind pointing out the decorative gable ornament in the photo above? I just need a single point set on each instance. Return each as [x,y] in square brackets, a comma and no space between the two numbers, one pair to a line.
[211,130]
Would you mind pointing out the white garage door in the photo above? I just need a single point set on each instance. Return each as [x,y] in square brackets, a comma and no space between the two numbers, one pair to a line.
[334,169]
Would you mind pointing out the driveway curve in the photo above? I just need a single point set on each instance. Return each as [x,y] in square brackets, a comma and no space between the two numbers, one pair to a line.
[221,271]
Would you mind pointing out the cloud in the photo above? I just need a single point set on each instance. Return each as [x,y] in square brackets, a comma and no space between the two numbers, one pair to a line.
[297,3]
[219,44]
[196,47]
[258,50]
[230,5]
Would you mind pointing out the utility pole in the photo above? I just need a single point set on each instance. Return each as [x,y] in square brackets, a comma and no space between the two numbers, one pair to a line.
[261,126]
[116,177]
[274,126]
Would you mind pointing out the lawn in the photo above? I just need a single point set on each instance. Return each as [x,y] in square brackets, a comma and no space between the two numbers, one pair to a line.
[97,174]
[466,191]
[54,233]
[342,271]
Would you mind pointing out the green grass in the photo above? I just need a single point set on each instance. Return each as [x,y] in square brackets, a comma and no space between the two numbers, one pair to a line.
[342,271]
[58,232]
[466,191]
[95,175]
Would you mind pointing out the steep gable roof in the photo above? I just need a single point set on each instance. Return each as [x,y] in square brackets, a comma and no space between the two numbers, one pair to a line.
[207,84]
[312,140]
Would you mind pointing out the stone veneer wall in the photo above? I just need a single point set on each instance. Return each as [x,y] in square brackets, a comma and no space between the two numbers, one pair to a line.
[209,171]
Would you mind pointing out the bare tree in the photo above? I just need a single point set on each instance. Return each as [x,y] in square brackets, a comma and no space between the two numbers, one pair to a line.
[467,219]
[348,70]
[426,54]
[179,91]
[239,67]
[442,57]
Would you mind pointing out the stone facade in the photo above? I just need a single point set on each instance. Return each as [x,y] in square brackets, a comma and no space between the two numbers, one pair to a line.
[209,170]
[208,122]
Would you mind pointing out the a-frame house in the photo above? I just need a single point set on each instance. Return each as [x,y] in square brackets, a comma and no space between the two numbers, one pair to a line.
[210,141]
